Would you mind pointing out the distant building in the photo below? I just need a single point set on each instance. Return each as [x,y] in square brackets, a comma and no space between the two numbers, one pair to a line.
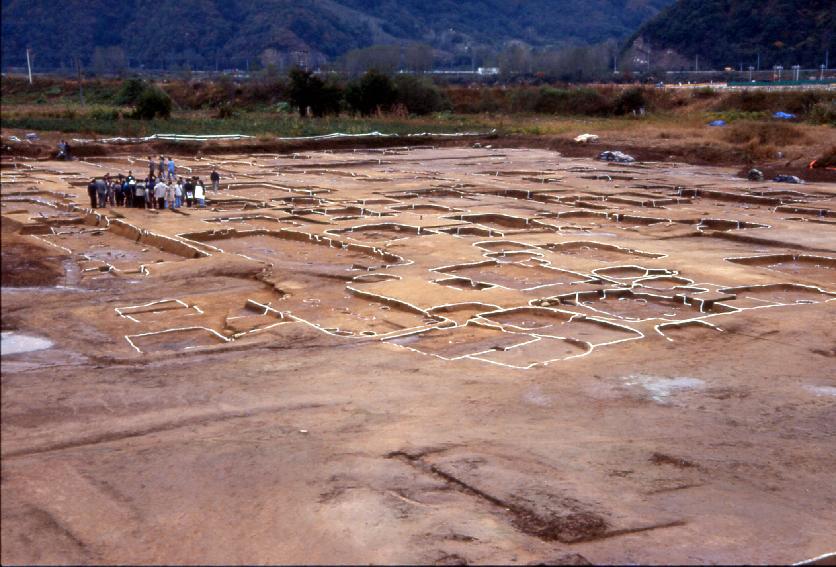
[487,71]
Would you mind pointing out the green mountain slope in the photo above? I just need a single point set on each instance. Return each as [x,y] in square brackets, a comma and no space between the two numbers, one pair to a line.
[206,33]
[729,32]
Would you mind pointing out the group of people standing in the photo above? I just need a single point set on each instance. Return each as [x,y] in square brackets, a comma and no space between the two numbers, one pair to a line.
[161,189]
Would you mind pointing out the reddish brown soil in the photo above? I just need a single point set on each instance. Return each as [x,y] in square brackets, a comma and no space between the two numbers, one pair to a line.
[250,383]
[697,153]
[25,264]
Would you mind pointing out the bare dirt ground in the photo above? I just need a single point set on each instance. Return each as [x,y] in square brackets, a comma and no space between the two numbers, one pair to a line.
[419,355]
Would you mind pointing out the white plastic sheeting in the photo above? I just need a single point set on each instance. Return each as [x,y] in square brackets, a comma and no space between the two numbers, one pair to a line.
[586,138]
[170,137]
[211,137]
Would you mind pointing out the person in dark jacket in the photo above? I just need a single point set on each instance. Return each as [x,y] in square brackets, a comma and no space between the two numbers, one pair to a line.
[91,192]
[101,192]
[63,150]
[188,190]
[149,192]
[119,190]
[130,186]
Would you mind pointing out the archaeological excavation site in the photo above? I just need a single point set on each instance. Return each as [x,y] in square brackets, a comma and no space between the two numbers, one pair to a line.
[445,353]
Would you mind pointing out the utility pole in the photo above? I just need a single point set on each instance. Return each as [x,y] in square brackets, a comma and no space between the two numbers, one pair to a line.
[697,63]
[759,60]
[821,72]
[797,69]
[29,65]
[751,68]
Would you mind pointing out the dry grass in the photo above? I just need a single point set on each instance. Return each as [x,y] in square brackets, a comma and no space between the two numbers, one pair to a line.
[765,133]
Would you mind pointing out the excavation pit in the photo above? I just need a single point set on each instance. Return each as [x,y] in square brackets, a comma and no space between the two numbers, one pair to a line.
[548,322]
[470,231]
[819,268]
[629,305]
[777,294]
[542,350]
[598,251]
[163,311]
[504,222]
[176,340]
[419,209]
[725,225]
[346,314]
[628,273]
[461,313]
[386,232]
[297,251]
[499,246]
[512,275]
[460,341]
[105,248]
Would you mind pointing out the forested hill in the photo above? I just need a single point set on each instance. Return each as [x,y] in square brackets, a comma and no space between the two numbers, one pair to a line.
[730,32]
[207,33]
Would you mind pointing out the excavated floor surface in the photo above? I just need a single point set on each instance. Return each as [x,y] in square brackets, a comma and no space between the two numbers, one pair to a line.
[419,355]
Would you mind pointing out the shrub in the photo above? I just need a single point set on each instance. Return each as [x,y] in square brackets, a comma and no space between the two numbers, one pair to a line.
[282,107]
[130,92]
[152,103]
[419,96]
[489,101]
[797,102]
[374,91]
[224,111]
[581,101]
[631,100]
[523,99]
[823,113]
[704,92]
[104,113]
[307,91]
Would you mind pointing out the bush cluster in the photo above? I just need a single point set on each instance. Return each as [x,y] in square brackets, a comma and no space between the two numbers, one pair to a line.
[577,101]
[152,103]
[372,93]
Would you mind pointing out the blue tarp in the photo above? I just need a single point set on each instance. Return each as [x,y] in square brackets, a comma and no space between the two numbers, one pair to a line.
[783,116]
[717,123]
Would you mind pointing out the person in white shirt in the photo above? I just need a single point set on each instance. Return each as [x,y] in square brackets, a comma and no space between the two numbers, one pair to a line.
[200,194]
[159,193]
